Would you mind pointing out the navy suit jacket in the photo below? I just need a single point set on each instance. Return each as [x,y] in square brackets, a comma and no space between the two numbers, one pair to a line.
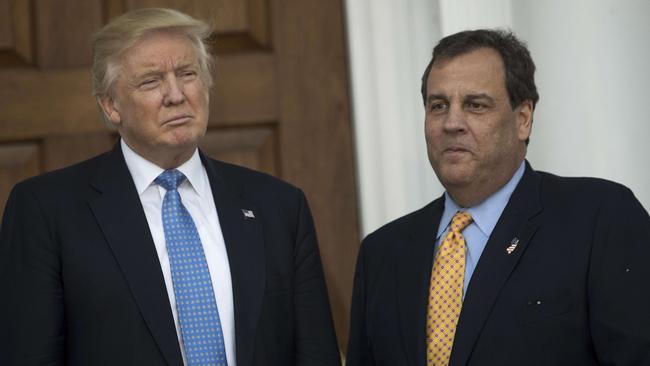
[575,291]
[81,283]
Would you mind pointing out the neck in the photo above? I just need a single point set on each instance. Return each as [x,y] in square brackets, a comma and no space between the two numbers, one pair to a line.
[166,158]
[474,193]
[172,161]
[467,198]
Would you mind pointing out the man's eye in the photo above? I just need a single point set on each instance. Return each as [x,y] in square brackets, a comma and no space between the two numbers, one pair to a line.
[475,106]
[437,107]
[188,74]
[149,83]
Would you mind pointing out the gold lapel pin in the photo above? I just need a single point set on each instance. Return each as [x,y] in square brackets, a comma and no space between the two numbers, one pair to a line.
[513,245]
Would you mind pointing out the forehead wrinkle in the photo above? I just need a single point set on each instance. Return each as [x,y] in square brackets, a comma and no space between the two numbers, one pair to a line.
[173,64]
[467,80]
[141,56]
[149,68]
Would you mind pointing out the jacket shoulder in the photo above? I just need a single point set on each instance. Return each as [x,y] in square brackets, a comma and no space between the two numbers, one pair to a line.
[589,197]
[250,180]
[581,190]
[398,230]
[67,179]
[586,185]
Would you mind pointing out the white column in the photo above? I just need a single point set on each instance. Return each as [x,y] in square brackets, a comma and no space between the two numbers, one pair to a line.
[459,15]
[390,44]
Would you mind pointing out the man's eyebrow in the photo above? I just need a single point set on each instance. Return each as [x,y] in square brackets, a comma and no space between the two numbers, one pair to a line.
[432,97]
[148,73]
[155,71]
[185,65]
[478,96]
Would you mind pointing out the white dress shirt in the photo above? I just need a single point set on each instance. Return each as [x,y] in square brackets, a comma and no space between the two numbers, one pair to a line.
[196,196]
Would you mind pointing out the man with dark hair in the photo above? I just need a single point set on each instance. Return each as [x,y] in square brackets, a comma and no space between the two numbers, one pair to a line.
[510,266]
[518,65]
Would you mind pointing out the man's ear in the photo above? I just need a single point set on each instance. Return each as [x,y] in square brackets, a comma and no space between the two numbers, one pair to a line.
[111,109]
[524,119]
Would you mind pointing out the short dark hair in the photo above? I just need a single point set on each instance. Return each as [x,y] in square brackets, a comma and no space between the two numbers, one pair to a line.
[519,66]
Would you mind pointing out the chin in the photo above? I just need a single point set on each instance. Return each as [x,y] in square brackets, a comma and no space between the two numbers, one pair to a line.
[456,181]
[454,175]
[184,137]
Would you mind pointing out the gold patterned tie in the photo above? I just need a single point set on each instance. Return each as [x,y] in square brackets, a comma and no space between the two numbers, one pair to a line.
[446,292]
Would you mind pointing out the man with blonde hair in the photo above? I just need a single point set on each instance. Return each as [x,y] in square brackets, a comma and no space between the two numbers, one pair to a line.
[153,253]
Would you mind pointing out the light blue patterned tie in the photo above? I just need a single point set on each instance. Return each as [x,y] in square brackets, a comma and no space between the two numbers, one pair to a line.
[197,309]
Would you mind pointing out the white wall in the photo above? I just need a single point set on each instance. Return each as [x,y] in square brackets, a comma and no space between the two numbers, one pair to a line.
[592,58]
[593,118]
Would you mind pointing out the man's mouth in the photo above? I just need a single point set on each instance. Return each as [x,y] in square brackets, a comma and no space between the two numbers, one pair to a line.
[455,149]
[179,119]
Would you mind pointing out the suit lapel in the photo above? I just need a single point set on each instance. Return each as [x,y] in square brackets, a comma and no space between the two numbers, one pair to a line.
[413,276]
[519,221]
[245,246]
[121,218]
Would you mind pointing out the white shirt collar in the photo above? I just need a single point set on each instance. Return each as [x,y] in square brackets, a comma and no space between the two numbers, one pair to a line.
[145,172]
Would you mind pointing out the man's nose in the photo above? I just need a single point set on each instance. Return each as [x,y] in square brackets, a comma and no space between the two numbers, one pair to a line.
[174,93]
[455,120]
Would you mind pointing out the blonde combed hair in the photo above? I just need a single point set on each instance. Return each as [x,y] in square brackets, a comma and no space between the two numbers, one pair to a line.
[123,32]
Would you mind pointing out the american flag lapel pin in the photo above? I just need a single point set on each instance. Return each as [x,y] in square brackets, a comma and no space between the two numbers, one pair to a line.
[513,246]
[248,214]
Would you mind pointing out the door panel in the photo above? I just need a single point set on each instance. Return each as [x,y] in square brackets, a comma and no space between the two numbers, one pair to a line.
[254,147]
[279,102]
[62,32]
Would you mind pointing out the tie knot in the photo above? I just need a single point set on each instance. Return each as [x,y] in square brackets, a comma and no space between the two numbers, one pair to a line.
[460,221]
[170,179]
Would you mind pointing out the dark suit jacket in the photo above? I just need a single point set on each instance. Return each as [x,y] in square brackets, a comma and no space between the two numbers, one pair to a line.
[575,291]
[81,283]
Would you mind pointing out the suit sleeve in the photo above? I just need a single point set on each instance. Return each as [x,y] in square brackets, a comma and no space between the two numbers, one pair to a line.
[31,314]
[359,353]
[315,339]
[619,300]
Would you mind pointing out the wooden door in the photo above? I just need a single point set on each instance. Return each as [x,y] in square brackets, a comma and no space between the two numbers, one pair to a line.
[280,102]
